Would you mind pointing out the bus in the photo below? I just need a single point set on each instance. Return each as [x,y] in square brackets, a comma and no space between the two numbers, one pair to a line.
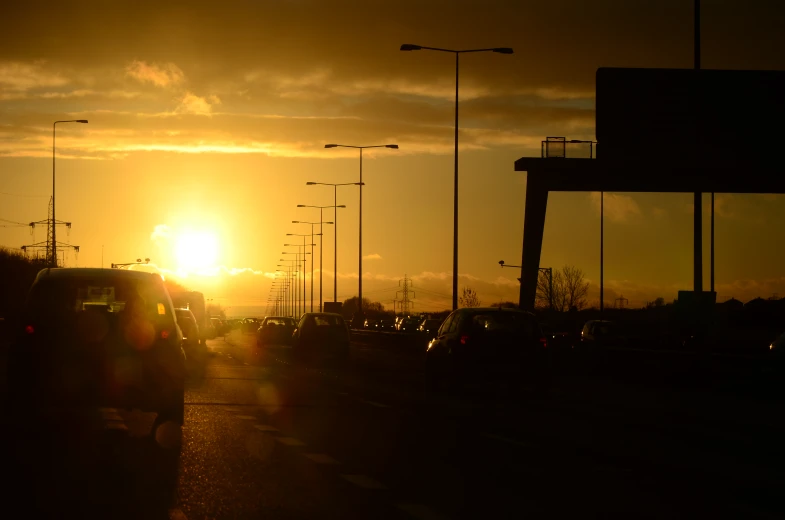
[194,300]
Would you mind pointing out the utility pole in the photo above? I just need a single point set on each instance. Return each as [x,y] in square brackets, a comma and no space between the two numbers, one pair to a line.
[406,285]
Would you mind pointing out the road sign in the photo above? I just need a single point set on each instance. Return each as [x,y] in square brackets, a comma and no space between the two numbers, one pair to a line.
[683,114]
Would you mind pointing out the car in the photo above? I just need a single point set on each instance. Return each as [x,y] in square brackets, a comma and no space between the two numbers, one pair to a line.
[98,338]
[429,326]
[187,323]
[486,345]
[275,330]
[321,336]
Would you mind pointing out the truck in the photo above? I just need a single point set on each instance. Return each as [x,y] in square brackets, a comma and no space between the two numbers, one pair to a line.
[194,301]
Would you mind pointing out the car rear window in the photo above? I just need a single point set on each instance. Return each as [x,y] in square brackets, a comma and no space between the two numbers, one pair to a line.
[506,322]
[328,321]
[74,294]
[284,322]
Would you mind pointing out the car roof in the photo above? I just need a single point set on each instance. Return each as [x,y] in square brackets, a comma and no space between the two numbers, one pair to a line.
[65,272]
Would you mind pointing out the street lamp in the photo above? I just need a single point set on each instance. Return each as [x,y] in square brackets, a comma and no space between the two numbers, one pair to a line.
[305,265]
[335,218]
[321,251]
[360,253]
[500,50]
[546,270]
[289,285]
[312,260]
[53,259]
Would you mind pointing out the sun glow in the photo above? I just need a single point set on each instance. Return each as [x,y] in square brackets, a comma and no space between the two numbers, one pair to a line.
[196,250]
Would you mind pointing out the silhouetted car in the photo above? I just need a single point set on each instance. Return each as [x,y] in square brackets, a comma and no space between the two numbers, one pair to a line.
[371,324]
[387,324]
[429,327]
[187,323]
[602,333]
[486,344]
[408,324]
[275,330]
[98,338]
[777,347]
[321,336]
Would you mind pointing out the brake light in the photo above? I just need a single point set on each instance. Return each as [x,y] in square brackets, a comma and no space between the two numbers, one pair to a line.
[544,342]
[29,329]
[164,334]
[464,339]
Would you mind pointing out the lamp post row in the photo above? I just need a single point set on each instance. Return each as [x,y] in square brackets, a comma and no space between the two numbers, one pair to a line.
[411,47]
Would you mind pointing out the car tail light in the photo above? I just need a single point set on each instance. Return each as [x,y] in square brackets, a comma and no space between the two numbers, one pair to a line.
[544,342]
[29,329]
[164,334]
[464,339]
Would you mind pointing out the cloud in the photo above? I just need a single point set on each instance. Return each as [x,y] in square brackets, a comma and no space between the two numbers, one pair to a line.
[197,105]
[160,75]
[161,234]
[617,207]
[372,256]
[18,76]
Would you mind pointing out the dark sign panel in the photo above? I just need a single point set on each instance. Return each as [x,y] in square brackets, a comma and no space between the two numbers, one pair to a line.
[686,114]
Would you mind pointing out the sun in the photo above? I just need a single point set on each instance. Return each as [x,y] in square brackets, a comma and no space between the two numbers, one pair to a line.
[196,250]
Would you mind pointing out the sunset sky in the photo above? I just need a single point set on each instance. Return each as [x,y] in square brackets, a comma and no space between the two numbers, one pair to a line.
[207,118]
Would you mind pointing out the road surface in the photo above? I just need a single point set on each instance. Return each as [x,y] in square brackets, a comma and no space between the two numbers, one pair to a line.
[265,438]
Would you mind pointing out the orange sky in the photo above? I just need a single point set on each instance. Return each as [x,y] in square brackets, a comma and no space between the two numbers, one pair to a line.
[209,117]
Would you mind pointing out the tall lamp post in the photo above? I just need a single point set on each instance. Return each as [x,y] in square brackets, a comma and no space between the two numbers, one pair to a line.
[53,259]
[301,254]
[289,284]
[360,252]
[335,219]
[304,269]
[296,279]
[500,50]
[321,249]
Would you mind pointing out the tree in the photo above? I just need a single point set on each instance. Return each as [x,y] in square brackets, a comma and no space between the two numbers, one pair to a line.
[469,298]
[567,289]
[505,305]
[350,307]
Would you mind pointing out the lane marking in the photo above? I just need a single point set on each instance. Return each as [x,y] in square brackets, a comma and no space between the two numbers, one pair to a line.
[374,403]
[321,458]
[265,428]
[290,441]
[420,512]
[508,440]
[364,481]
[177,514]
[116,426]
[113,417]
[247,417]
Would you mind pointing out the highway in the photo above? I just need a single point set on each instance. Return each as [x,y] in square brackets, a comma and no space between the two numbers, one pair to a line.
[265,438]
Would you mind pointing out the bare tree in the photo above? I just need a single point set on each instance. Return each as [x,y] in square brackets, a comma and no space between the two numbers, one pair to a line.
[469,298]
[567,289]
[575,288]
